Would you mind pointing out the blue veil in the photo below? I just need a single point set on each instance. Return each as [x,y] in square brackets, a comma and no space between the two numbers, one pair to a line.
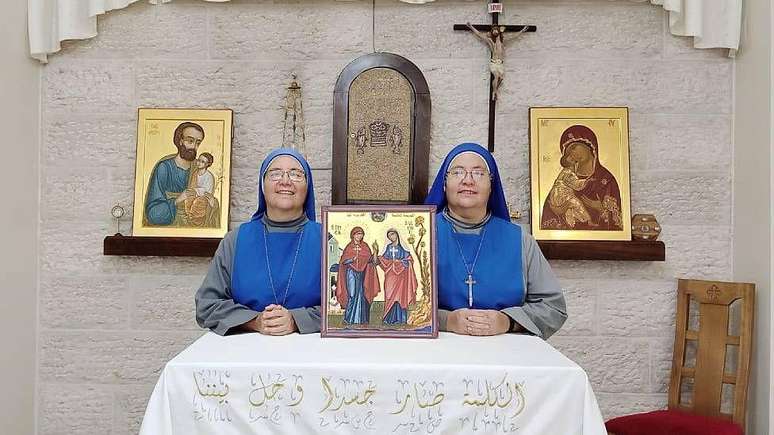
[308,203]
[496,205]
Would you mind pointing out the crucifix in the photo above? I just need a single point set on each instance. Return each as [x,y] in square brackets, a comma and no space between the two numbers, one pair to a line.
[470,281]
[393,251]
[494,35]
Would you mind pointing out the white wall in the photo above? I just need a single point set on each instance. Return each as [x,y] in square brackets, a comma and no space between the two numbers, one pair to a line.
[19,123]
[109,324]
[752,193]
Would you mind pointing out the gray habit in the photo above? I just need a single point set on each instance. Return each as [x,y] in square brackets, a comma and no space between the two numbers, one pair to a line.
[544,310]
[215,307]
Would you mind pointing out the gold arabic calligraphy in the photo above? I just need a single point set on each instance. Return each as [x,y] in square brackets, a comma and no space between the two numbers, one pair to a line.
[336,399]
[499,395]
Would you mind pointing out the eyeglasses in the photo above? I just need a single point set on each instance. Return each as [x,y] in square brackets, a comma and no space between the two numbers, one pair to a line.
[295,175]
[459,174]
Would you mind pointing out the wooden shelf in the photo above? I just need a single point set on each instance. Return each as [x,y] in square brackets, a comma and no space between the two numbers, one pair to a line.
[633,250]
[160,246]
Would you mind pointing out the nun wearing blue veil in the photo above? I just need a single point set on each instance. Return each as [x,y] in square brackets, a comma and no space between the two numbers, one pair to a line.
[265,275]
[492,277]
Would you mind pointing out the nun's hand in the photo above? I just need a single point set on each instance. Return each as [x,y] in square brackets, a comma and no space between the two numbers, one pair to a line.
[277,320]
[254,325]
[478,322]
[488,322]
[452,322]
[457,322]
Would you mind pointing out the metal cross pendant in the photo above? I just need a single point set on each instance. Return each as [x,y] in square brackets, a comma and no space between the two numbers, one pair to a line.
[470,281]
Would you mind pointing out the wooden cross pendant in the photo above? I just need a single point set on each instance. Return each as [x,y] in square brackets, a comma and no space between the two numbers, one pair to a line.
[494,34]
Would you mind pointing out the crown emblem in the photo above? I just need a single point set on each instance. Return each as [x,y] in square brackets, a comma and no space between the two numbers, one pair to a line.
[379,132]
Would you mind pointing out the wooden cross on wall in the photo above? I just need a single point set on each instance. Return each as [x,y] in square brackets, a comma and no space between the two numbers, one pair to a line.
[494,34]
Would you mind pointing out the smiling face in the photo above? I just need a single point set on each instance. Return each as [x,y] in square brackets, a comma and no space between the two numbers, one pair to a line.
[284,197]
[467,195]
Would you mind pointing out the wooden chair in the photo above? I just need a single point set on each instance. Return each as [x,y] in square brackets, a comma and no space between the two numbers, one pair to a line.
[702,414]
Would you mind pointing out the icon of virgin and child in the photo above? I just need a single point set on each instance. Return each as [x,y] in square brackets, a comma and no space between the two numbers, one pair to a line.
[358,281]
[585,194]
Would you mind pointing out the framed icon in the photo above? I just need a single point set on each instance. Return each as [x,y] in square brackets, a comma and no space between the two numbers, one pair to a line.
[182,172]
[379,275]
[579,173]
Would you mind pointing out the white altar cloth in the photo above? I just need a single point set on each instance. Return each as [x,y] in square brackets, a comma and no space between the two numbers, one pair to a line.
[303,384]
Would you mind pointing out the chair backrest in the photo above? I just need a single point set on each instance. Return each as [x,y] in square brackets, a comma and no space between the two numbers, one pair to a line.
[712,340]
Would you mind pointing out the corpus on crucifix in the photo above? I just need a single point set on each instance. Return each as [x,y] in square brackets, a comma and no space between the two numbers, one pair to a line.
[494,36]
[495,39]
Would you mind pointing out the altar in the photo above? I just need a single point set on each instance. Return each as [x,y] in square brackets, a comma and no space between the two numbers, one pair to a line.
[252,383]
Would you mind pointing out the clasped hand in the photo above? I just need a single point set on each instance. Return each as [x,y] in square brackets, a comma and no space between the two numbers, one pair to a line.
[478,322]
[274,320]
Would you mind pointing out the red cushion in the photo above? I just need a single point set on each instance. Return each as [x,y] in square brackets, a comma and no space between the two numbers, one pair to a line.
[671,423]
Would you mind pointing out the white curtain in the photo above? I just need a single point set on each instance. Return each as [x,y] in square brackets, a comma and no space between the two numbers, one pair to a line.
[52,21]
[711,23]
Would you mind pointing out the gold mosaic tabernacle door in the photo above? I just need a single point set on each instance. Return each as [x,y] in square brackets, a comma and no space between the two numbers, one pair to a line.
[380,103]
[381,132]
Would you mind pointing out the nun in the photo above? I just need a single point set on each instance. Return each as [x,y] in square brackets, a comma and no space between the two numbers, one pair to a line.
[492,277]
[265,275]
